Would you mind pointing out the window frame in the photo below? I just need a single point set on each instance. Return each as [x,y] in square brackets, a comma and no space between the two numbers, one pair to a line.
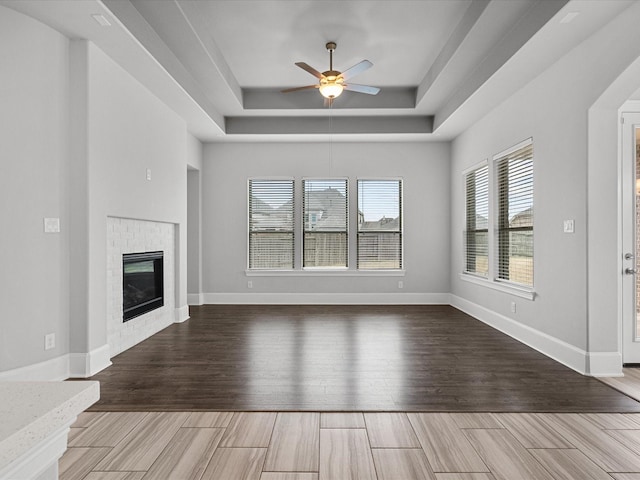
[303,230]
[250,180]
[492,280]
[502,224]
[400,232]
[482,165]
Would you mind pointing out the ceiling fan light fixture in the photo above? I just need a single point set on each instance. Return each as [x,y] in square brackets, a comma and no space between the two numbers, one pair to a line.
[331,87]
[333,82]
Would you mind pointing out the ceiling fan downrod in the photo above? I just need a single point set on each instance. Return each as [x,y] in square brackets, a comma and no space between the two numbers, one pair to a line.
[331,46]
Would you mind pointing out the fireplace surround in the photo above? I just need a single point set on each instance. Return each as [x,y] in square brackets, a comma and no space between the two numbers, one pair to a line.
[126,236]
[142,283]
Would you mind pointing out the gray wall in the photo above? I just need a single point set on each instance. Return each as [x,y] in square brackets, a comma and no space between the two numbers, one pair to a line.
[553,109]
[424,168]
[78,135]
[34,285]
[130,131]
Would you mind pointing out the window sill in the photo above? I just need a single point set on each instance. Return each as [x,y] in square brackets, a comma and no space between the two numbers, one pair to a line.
[324,273]
[521,292]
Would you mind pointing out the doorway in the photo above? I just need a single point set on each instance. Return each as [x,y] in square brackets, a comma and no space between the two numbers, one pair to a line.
[630,193]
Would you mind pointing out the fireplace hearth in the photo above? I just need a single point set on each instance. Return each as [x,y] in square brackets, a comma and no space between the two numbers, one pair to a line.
[142,283]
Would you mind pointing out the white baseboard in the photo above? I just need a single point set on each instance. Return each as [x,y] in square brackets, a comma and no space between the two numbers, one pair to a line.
[70,365]
[182,314]
[565,353]
[327,298]
[195,299]
[605,364]
[85,365]
[53,370]
[597,364]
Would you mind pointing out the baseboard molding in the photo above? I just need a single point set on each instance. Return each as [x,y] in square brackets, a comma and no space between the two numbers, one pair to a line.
[182,314]
[565,353]
[327,298]
[195,299]
[53,370]
[605,364]
[85,365]
[597,364]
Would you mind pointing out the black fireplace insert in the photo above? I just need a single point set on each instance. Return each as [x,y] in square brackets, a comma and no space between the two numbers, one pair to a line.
[142,283]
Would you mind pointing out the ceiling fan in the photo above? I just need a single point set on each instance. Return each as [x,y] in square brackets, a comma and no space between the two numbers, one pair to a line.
[332,82]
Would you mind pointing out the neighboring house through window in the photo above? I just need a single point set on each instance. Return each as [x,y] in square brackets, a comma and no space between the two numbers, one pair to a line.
[379,224]
[325,218]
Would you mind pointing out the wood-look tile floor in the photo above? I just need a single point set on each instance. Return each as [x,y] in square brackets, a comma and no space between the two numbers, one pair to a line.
[629,383]
[400,358]
[352,446]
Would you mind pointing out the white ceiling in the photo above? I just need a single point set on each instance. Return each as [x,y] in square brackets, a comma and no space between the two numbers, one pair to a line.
[220,64]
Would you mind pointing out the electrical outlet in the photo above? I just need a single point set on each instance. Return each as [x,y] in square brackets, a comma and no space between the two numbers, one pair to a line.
[513,307]
[400,284]
[51,225]
[149,174]
[49,341]
[249,284]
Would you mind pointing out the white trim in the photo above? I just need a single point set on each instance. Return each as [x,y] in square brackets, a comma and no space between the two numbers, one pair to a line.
[514,148]
[327,298]
[320,272]
[605,364]
[195,298]
[477,166]
[182,314]
[85,365]
[500,286]
[70,365]
[54,369]
[565,353]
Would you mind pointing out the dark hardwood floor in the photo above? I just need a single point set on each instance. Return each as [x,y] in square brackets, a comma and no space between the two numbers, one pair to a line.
[344,358]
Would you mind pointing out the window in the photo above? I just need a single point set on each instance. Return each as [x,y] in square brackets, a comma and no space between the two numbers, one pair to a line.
[514,176]
[325,238]
[379,224]
[271,238]
[477,221]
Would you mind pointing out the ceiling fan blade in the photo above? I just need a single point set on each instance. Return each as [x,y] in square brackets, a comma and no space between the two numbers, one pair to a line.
[356,69]
[310,69]
[295,89]
[354,87]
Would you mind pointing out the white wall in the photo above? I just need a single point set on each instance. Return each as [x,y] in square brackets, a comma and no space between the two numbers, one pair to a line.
[553,109]
[34,285]
[424,168]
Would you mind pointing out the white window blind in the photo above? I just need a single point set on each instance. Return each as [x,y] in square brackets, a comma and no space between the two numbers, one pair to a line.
[477,221]
[271,239]
[379,224]
[325,238]
[514,175]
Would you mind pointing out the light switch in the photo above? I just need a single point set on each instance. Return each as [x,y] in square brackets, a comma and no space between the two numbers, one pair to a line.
[569,226]
[51,225]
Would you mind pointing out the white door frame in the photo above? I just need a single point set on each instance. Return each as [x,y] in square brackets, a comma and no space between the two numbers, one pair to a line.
[627,174]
